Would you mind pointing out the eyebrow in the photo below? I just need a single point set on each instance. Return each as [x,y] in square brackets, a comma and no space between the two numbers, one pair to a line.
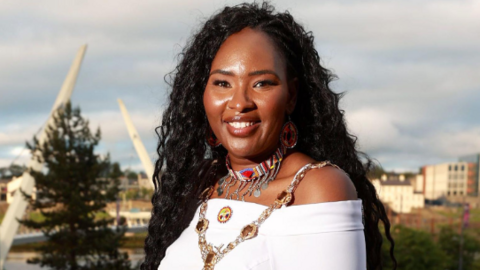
[253,73]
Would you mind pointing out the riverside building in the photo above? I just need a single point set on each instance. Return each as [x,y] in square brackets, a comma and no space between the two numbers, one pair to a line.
[399,193]
[447,180]
[473,175]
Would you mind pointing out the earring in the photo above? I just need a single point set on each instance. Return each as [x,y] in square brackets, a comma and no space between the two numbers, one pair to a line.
[212,139]
[289,135]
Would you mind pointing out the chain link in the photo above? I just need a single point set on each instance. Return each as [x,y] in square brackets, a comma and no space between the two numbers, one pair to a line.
[219,252]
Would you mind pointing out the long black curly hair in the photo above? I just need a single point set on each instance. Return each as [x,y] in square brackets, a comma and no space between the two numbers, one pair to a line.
[184,158]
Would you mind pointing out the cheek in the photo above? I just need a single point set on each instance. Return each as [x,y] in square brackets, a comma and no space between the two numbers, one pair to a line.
[212,105]
[215,104]
[273,106]
[273,110]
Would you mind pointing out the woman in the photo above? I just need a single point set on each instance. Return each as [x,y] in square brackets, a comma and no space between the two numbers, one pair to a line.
[244,145]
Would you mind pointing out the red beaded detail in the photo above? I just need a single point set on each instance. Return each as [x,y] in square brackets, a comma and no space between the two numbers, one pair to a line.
[212,139]
[289,136]
[250,174]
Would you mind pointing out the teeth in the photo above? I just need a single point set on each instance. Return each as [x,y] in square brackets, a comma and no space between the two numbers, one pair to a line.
[241,124]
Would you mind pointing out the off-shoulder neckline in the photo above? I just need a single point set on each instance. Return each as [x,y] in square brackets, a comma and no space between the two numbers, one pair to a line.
[291,206]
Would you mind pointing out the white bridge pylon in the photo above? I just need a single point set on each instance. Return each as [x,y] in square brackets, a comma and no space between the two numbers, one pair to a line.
[137,143]
[16,209]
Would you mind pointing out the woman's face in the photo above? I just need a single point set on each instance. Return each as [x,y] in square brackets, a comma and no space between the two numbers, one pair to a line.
[248,95]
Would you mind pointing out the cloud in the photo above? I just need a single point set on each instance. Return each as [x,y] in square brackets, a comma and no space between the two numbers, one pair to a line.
[409,69]
[381,26]
[381,136]
[456,143]
[376,131]
[18,133]
[16,155]
[114,129]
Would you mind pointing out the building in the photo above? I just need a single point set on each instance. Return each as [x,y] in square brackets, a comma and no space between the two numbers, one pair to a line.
[452,180]
[446,180]
[399,193]
[3,189]
[135,181]
[473,175]
[418,183]
[144,181]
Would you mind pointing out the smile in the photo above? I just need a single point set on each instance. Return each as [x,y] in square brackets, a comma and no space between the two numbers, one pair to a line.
[242,129]
[241,124]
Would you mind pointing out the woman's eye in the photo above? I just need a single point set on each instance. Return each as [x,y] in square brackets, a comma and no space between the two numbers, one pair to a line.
[264,83]
[221,83]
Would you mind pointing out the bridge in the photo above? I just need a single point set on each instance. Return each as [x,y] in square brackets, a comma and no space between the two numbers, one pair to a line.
[136,222]
[10,231]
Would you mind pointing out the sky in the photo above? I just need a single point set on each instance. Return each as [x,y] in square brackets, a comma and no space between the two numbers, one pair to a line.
[410,70]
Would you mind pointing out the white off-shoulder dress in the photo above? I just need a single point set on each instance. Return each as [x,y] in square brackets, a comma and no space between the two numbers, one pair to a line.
[327,236]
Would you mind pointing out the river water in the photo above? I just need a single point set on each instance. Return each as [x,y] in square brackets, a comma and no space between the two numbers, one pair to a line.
[18,261]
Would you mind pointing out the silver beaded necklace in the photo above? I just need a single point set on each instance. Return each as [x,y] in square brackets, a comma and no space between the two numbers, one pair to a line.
[251,180]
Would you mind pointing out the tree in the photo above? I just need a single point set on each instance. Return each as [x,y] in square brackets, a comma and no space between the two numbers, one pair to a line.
[3,172]
[131,175]
[72,191]
[13,170]
[414,250]
[146,193]
[116,172]
[17,170]
[376,171]
[449,242]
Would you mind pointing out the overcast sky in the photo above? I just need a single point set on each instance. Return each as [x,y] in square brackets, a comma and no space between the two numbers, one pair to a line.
[410,70]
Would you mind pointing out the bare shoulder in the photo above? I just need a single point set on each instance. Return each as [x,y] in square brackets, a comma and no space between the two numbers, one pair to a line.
[326,184]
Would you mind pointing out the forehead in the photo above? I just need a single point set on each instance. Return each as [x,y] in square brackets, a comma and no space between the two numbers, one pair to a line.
[249,49]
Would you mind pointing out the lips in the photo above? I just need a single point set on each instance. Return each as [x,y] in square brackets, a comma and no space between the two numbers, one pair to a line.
[239,126]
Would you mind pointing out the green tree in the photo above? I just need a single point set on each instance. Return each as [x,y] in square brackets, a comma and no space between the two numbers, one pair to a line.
[11,171]
[17,170]
[146,193]
[131,175]
[116,172]
[131,194]
[414,250]
[449,242]
[74,188]
[375,172]
[3,172]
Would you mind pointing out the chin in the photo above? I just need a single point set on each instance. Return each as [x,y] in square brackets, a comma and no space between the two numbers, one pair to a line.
[242,150]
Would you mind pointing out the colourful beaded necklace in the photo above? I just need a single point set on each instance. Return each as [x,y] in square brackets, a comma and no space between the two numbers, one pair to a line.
[211,254]
[256,178]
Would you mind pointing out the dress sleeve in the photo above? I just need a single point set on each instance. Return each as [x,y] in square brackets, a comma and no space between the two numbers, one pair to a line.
[317,237]
[342,250]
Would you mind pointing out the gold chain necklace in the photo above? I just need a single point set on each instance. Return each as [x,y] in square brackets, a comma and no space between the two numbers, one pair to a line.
[211,255]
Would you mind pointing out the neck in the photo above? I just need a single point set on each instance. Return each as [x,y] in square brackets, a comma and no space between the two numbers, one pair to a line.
[239,163]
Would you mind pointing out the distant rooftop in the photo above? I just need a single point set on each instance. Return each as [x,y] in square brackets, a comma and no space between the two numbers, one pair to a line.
[473,158]
[395,182]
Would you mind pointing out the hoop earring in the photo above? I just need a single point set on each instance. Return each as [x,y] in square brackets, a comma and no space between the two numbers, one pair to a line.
[212,140]
[289,135]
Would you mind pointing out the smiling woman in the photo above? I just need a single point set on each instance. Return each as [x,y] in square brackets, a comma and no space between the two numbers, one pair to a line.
[261,172]
[248,95]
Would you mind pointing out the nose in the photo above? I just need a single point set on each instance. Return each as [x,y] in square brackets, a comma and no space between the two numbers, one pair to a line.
[241,100]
